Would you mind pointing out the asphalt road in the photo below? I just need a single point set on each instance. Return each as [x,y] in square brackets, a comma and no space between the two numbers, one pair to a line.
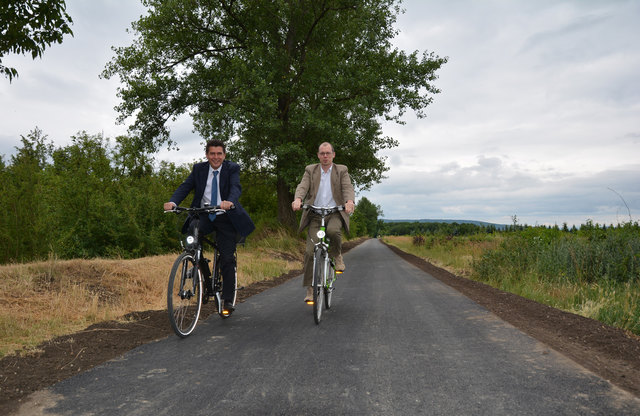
[395,342]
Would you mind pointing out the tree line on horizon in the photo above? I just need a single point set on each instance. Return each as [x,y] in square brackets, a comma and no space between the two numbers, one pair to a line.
[95,198]
[455,229]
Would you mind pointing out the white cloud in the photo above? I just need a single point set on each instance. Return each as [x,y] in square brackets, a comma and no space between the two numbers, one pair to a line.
[539,113]
[538,117]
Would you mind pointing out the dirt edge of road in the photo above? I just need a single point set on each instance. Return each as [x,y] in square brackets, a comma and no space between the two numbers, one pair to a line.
[609,352]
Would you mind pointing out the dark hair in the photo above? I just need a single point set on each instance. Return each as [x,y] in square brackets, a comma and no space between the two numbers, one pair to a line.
[215,143]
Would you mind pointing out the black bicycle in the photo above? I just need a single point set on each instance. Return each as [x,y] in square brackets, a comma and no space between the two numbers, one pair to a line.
[324,270]
[187,290]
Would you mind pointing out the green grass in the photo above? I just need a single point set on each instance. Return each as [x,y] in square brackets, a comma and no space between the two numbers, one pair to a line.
[594,272]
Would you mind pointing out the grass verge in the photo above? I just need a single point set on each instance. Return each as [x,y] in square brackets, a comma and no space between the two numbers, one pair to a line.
[613,302]
[42,300]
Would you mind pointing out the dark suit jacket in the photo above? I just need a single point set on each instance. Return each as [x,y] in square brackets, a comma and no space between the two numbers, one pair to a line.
[341,188]
[230,190]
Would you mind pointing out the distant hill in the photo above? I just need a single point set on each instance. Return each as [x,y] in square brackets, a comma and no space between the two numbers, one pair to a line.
[478,223]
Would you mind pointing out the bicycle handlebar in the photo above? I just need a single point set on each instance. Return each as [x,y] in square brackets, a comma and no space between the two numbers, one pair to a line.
[209,209]
[324,211]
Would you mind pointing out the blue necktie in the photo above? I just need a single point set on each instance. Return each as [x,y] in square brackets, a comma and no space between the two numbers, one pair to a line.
[214,193]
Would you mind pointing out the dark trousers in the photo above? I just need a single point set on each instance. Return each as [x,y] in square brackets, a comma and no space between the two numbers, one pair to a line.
[226,242]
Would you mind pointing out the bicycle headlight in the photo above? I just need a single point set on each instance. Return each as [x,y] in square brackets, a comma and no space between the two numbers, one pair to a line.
[191,239]
[321,234]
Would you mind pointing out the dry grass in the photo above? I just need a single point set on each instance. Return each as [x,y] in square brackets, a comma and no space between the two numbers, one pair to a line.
[42,300]
[454,255]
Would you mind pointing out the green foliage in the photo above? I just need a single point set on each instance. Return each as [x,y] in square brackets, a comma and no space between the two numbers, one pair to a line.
[280,77]
[85,200]
[590,255]
[29,26]
[593,271]
[91,199]
[364,220]
[259,196]
[24,220]
[542,265]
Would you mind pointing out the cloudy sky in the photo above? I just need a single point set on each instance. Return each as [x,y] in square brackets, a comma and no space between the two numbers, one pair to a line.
[538,118]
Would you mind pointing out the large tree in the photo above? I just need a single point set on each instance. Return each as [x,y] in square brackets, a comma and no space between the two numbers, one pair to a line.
[366,217]
[29,26]
[278,78]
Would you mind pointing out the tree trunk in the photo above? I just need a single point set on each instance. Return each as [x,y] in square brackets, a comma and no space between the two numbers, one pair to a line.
[286,215]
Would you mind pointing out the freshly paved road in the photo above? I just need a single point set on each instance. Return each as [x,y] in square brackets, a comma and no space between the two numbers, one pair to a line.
[395,342]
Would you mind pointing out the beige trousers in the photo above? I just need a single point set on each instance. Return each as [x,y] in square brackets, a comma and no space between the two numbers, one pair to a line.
[333,224]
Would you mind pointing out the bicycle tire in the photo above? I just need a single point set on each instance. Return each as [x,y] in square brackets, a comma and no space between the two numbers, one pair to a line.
[184,295]
[319,276]
[328,287]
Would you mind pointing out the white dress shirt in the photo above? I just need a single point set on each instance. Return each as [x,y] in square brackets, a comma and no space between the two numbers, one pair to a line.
[206,198]
[325,196]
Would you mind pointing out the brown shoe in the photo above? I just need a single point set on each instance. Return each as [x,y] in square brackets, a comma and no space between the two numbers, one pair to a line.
[339,264]
[309,297]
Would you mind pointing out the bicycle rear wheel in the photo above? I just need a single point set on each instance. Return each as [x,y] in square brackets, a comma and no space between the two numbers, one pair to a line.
[328,287]
[184,295]
[319,276]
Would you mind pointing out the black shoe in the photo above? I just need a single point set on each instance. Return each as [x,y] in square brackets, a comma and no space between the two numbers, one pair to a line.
[228,307]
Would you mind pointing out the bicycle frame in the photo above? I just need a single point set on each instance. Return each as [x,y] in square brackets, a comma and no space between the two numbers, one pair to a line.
[187,281]
[323,246]
[324,273]
[323,242]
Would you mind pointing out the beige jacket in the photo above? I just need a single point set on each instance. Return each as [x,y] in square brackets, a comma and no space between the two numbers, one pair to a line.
[341,188]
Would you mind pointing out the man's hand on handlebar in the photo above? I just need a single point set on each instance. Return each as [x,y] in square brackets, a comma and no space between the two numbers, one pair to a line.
[349,207]
[226,205]
[169,206]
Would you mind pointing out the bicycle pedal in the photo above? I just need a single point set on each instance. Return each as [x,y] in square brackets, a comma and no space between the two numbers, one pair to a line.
[240,288]
[339,271]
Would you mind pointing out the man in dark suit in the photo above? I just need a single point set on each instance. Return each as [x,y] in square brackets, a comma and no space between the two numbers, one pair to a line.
[324,184]
[217,179]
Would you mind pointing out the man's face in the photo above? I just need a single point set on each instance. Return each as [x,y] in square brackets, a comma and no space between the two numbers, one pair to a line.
[215,156]
[326,155]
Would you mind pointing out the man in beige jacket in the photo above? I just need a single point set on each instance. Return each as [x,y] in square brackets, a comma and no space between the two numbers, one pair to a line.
[324,184]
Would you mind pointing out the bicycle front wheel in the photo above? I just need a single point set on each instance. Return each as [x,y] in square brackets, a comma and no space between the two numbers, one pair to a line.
[319,279]
[328,287]
[184,295]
